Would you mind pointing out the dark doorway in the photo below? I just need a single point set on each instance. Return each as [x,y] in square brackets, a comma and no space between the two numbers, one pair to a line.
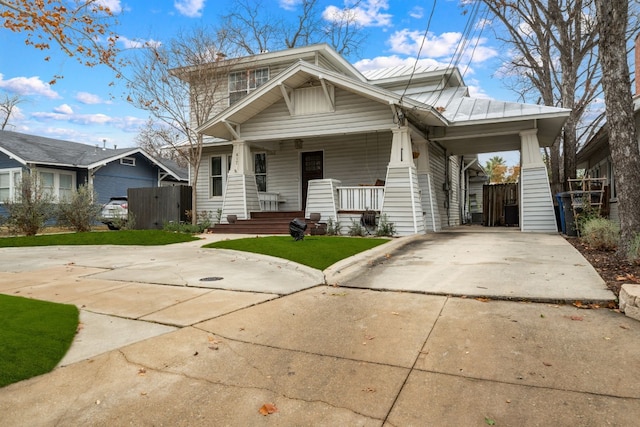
[311,169]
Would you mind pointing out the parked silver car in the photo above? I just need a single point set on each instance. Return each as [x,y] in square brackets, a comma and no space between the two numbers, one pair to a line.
[114,214]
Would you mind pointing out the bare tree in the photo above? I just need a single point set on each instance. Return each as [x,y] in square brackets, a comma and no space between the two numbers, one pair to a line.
[7,107]
[555,61]
[612,20]
[180,85]
[250,26]
[161,141]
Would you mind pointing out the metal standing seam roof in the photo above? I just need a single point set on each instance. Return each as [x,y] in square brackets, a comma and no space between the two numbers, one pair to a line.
[400,70]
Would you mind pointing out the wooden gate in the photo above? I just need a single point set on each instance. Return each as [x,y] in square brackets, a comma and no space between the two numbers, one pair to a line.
[500,205]
[153,207]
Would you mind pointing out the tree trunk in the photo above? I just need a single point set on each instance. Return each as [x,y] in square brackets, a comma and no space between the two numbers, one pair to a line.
[612,16]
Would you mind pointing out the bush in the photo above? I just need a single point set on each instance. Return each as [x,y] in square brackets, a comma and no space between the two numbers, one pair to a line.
[356,229]
[385,228]
[203,219]
[333,229]
[600,233]
[32,208]
[80,212]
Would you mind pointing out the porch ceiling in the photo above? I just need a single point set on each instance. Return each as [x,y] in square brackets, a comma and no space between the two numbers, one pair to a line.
[496,136]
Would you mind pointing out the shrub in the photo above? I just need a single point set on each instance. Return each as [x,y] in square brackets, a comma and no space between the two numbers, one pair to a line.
[333,229]
[80,212]
[356,229]
[203,219]
[600,233]
[385,228]
[32,207]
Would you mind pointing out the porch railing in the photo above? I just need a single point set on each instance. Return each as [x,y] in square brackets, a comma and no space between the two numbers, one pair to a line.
[360,198]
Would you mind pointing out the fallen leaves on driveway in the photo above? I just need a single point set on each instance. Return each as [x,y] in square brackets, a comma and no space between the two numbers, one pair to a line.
[267,409]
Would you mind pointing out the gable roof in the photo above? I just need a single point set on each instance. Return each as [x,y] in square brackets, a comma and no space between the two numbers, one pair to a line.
[312,54]
[295,76]
[33,149]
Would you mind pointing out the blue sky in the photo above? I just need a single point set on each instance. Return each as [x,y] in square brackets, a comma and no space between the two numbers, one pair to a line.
[83,107]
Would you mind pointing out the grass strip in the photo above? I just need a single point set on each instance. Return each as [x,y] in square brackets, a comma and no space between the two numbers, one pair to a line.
[35,336]
[121,237]
[314,251]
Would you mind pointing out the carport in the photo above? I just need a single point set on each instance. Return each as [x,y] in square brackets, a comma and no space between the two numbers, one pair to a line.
[484,126]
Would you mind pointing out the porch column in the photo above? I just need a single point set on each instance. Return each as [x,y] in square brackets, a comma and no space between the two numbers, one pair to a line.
[402,202]
[241,191]
[427,187]
[536,203]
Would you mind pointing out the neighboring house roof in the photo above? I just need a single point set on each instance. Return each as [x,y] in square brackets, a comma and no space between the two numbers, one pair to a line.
[33,149]
[597,148]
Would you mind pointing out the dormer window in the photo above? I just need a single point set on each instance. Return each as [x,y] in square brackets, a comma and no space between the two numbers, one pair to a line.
[242,83]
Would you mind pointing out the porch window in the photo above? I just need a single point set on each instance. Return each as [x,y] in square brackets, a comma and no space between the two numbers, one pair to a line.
[242,83]
[260,162]
[9,181]
[217,176]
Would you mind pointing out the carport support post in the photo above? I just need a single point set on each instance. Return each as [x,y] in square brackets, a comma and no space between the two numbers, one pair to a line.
[241,192]
[402,203]
[425,179]
[536,204]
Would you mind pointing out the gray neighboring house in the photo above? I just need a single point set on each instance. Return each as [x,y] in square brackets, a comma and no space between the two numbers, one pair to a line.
[64,165]
[303,130]
[595,158]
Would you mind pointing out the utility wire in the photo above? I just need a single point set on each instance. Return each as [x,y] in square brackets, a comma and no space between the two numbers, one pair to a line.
[424,38]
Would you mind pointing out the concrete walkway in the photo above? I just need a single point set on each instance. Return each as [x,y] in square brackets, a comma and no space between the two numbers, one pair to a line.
[159,346]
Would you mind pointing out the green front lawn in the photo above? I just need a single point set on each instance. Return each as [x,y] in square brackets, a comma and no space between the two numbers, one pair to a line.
[34,336]
[121,237]
[314,251]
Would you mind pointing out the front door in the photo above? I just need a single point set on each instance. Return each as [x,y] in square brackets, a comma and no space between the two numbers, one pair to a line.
[311,169]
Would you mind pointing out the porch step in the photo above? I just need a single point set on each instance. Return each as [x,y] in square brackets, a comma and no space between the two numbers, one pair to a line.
[261,223]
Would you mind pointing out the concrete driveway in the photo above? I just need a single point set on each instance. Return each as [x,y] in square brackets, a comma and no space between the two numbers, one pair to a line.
[160,349]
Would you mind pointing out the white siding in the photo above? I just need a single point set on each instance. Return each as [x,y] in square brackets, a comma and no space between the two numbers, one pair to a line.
[455,193]
[323,198]
[241,196]
[402,202]
[437,165]
[535,197]
[353,114]
[429,203]
[353,159]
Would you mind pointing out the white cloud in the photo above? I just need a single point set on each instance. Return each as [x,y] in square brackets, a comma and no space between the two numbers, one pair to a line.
[190,8]
[89,98]
[137,43]
[417,12]
[408,42]
[367,13]
[126,123]
[64,109]
[441,46]
[289,4]
[113,5]
[28,86]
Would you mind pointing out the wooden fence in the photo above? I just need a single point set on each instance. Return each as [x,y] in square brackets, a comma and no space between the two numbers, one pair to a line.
[153,207]
[500,205]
